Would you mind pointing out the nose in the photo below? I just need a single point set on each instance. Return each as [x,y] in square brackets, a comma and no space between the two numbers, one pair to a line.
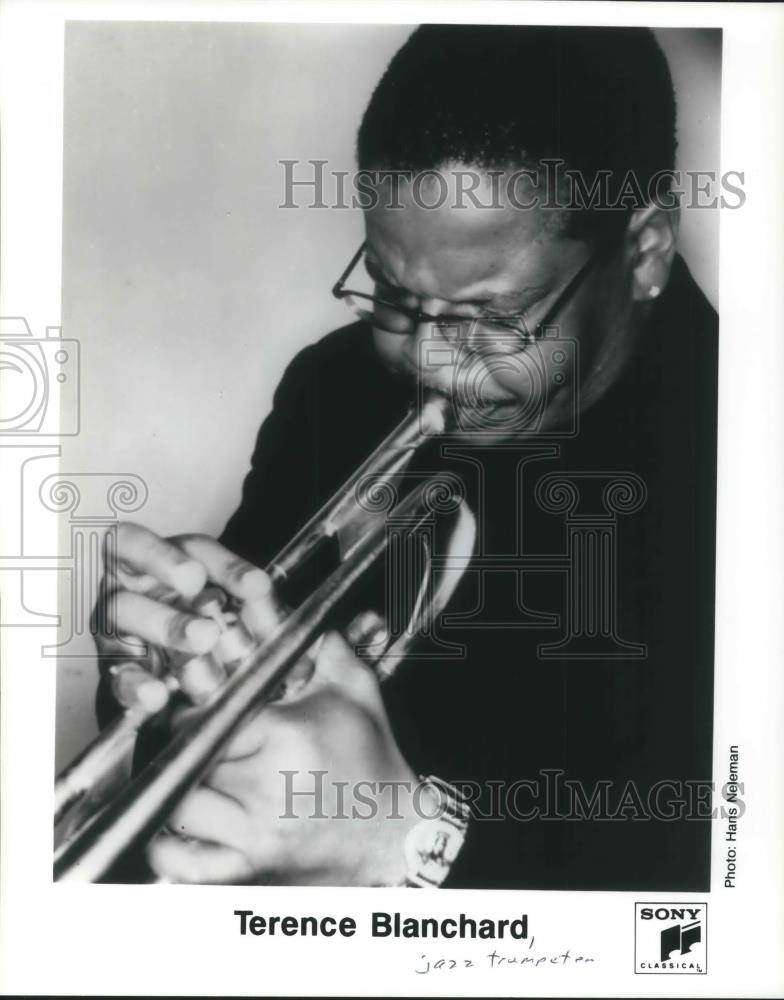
[433,350]
[432,328]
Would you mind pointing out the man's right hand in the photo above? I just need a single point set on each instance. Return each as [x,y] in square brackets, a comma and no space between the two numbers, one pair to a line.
[144,623]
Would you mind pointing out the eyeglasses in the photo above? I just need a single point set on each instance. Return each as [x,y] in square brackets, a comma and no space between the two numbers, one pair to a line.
[390,313]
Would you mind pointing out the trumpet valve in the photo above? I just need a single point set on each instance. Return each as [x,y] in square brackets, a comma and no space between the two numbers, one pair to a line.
[235,641]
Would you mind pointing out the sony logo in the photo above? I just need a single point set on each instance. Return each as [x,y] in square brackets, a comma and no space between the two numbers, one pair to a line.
[668,913]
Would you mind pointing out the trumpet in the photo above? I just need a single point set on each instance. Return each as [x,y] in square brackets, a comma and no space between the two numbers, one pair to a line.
[358,518]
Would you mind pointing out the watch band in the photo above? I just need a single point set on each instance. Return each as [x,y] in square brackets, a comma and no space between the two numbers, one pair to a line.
[433,844]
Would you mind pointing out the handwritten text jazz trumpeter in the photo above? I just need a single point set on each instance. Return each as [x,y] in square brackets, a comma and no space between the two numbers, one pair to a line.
[428,964]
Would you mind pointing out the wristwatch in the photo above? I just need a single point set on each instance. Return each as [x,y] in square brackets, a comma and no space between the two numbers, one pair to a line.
[433,844]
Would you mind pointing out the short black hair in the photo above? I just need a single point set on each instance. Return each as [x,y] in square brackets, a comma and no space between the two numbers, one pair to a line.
[501,96]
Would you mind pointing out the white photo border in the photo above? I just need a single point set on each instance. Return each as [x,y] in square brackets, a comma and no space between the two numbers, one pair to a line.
[106,940]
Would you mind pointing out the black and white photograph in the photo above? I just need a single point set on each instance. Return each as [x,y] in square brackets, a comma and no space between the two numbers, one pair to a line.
[520,696]
[379,460]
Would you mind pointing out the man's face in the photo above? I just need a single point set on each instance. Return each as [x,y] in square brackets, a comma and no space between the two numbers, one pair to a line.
[479,261]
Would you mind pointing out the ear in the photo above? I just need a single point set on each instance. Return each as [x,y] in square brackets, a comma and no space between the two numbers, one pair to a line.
[650,247]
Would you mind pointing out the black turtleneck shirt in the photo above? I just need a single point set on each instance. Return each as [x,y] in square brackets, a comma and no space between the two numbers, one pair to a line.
[622,713]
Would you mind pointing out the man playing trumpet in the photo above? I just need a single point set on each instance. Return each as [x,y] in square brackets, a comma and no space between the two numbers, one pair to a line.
[631,391]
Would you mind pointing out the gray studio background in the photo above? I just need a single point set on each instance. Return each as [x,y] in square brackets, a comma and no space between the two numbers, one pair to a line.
[187,287]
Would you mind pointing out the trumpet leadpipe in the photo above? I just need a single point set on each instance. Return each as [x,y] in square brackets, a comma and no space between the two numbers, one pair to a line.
[389,459]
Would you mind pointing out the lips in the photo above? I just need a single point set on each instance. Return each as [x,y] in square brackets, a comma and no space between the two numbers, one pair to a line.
[487,400]
[472,387]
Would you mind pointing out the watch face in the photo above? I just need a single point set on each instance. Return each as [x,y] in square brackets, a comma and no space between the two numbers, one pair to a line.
[431,848]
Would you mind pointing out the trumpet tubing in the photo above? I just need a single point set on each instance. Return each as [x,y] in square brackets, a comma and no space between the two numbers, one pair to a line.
[140,809]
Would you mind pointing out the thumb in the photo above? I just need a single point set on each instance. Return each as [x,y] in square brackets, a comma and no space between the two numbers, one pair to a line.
[197,862]
[337,665]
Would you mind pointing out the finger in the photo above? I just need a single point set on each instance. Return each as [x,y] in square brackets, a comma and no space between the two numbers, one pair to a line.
[238,779]
[337,668]
[163,625]
[141,554]
[108,640]
[260,609]
[135,648]
[142,583]
[121,650]
[135,687]
[230,777]
[261,616]
[235,575]
[248,738]
[116,644]
[199,677]
[367,629]
[193,861]
[209,815]
[299,676]
[337,664]
[149,585]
